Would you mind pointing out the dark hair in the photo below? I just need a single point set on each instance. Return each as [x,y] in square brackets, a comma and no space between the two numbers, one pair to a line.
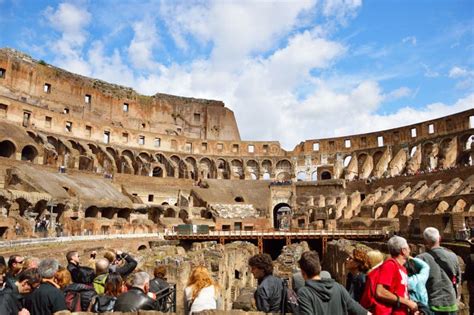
[70,254]
[411,267]
[113,284]
[262,261]
[86,275]
[31,275]
[310,264]
[2,261]
[12,260]
[160,272]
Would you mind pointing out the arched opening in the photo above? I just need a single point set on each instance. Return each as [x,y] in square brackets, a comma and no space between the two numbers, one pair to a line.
[314,176]
[124,213]
[347,160]
[91,212]
[237,169]
[282,216]
[29,153]
[325,175]
[157,172]
[266,176]
[108,213]
[253,176]
[170,213]
[413,151]
[239,199]
[409,210]
[7,148]
[142,247]
[301,176]
[206,214]
[378,212]
[392,212]
[183,215]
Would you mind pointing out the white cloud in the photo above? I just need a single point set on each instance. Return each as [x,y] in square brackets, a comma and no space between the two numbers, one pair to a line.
[141,47]
[457,72]
[70,21]
[410,39]
[341,9]
[399,93]
[429,73]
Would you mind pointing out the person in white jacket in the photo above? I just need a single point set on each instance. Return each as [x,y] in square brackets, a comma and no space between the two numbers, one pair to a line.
[201,293]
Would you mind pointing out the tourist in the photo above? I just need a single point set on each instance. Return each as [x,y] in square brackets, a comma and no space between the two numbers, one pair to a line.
[160,287]
[268,296]
[15,266]
[113,288]
[418,272]
[30,262]
[469,275]
[136,298]
[444,276]
[323,296]
[201,293]
[101,271]
[368,299]
[391,290]
[73,260]
[47,299]
[120,262]
[11,297]
[62,277]
[358,265]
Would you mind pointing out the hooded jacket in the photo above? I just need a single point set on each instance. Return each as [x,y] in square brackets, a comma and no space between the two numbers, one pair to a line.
[326,296]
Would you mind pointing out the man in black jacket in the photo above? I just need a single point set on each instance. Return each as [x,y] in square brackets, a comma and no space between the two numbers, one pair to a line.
[270,288]
[73,260]
[136,298]
[121,263]
[11,298]
[47,299]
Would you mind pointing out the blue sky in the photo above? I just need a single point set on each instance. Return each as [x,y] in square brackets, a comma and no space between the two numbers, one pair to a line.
[290,70]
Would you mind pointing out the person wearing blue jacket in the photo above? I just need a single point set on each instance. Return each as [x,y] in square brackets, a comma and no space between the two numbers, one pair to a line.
[418,273]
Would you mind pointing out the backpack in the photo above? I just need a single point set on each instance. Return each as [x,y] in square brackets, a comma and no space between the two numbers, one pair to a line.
[73,301]
[99,283]
[368,299]
[289,299]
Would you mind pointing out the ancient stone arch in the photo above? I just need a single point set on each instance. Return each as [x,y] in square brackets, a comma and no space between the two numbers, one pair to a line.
[29,153]
[459,206]
[237,169]
[283,170]
[207,168]
[7,149]
[409,209]
[223,169]
[252,169]
[392,212]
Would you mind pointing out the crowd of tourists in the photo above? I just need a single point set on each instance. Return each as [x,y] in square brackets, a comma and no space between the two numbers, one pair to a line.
[401,284]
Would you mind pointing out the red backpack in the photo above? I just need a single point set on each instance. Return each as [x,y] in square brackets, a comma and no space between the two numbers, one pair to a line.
[73,301]
[368,299]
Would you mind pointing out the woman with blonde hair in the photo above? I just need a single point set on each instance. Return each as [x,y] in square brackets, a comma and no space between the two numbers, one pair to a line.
[201,292]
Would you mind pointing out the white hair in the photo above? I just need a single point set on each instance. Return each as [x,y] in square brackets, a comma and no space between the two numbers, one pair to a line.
[396,244]
[140,279]
[431,235]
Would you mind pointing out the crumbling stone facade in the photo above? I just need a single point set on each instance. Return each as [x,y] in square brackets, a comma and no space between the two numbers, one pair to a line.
[99,158]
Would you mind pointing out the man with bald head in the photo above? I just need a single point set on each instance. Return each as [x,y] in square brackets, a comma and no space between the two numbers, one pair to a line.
[101,271]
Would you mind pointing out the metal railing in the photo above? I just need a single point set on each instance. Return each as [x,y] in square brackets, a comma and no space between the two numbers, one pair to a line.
[166,299]
[272,232]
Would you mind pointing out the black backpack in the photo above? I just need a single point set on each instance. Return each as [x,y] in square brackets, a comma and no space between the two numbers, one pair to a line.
[289,299]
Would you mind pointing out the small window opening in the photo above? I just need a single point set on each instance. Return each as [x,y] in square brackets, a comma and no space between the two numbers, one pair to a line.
[88,131]
[141,140]
[239,199]
[380,141]
[251,148]
[2,73]
[66,110]
[265,148]
[88,99]
[68,126]
[362,197]
[204,147]
[143,125]
[235,148]
[106,136]
[157,143]
[316,146]
[363,141]
[197,117]
[3,110]
[431,128]
[220,147]
[125,107]
[413,132]
[151,198]
[347,143]
[26,119]
[471,121]
[237,274]
[188,147]
[47,88]
[331,145]
[125,137]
